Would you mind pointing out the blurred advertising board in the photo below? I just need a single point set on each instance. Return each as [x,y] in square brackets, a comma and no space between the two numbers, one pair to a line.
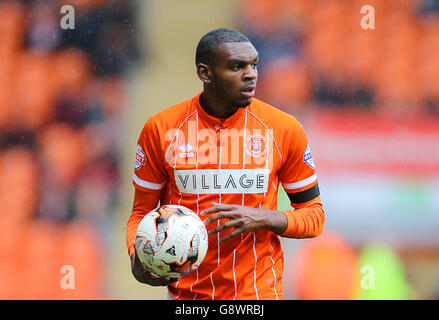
[379,177]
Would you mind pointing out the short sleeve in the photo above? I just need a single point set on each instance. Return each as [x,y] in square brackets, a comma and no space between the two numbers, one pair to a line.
[297,174]
[149,170]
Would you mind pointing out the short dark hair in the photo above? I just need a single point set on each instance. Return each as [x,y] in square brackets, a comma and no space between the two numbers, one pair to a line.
[213,39]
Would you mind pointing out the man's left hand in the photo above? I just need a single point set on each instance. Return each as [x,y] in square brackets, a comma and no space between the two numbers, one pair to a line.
[244,219]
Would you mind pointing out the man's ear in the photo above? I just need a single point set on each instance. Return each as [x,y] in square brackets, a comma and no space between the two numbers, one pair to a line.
[204,73]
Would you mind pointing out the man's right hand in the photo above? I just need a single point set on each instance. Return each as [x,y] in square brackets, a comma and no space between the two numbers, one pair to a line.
[144,275]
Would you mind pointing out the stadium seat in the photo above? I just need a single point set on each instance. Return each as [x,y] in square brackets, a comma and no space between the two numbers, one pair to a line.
[71,72]
[9,279]
[329,44]
[6,106]
[10,238]
[397,85]
[361,58]
[18,169]
[429,55]
[12,25]
[81,250]
[110,93]
[261,15]
[7,87]
[39,260]
[62,150]
[93,194]
[295,87]
[34,105]
[300,9]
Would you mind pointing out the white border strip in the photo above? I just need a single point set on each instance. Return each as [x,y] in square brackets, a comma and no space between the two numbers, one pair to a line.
[300,184]
[147,184]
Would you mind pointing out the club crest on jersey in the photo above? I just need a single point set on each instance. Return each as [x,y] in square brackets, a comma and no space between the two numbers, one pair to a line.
[307,158]
[186,151]
[255,145]
[140,158]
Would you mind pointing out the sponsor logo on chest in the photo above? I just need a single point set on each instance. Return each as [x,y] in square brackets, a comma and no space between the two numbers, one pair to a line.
[224,181]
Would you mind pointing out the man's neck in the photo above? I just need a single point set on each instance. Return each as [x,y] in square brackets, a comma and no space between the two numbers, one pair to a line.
[214,107]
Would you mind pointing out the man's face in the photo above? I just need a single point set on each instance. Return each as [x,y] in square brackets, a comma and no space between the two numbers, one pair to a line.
[234,72]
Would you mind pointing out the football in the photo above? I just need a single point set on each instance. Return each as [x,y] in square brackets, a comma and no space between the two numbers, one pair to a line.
[171,241]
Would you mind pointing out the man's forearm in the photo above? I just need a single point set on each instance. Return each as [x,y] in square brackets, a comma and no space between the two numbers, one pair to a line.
[305,222]
[143,203]
[133,223]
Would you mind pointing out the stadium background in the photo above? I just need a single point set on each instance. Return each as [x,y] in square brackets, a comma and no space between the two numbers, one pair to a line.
[72,103]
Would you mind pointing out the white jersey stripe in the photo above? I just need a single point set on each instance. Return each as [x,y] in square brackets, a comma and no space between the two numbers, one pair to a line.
[213,287]
[147,184]
[198,209]
[234,275]
[243,156]
[218,237]
[301,183]
[274,273]
[271,133]
[256,261]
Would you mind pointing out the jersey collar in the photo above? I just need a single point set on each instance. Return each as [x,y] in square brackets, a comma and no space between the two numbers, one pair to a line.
[214,122]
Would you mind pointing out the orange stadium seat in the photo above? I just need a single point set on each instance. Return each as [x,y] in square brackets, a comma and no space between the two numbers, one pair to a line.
[62,150]
[325,46]
[34,105]
[397,78]
[361,57]
[93,192]
[71,71]
[330,14]
[111,93]
[429,80]
[18,169]
[11,283]
[38,256]
[97,141]
[397,83]
[429,55]
[295,87]
[6,103]
[7,86]
[300,9]
[10,236]
[79,249]
[12,25]
[261,15]
[326,269]
[402,32]
[323,51]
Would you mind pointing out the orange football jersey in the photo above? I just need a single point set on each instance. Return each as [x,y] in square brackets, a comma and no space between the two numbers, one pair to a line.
[187,157]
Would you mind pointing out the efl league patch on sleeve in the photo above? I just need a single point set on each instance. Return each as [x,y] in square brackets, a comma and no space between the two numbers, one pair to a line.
[307,158]
[140,158]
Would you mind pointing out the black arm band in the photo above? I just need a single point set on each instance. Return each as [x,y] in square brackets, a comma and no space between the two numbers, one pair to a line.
[304,196]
